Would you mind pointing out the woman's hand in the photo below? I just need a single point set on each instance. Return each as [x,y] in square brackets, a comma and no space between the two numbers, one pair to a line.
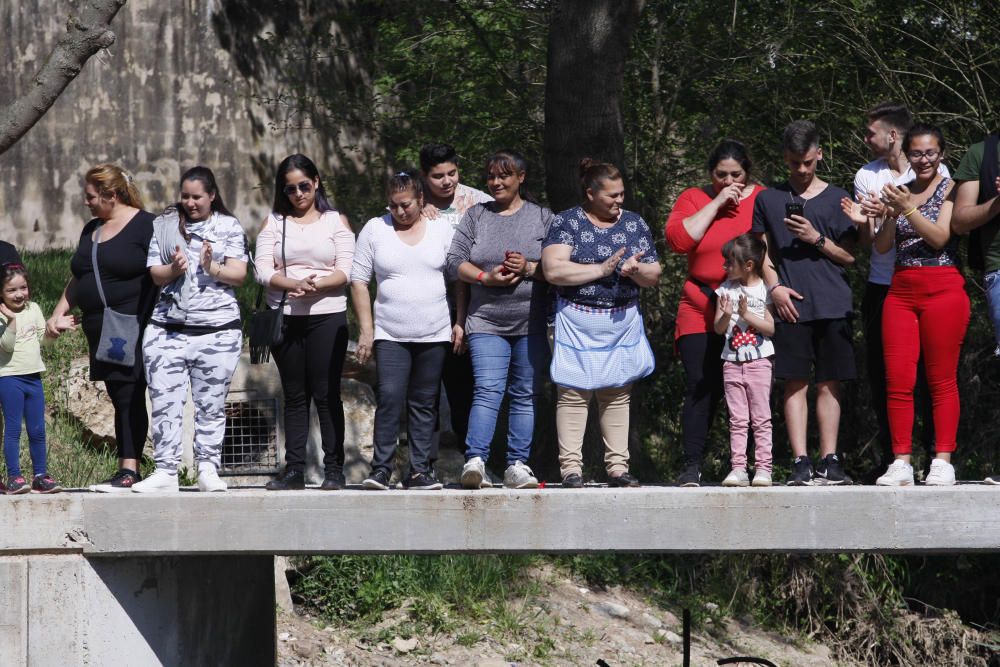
[458,342]
[852,210]
[179,262]
[431,211]
[730,195]
[364,350]
[873,207]
[501,276]
[609,265]
[631,266]
[516,263]
[206,257]
[897,199]
[56,325]
[302,287]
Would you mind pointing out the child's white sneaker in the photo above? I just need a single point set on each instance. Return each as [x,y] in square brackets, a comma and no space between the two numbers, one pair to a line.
[899,473]
[762,478]
[736,477]
[208,478]
[161,481]
[942,473]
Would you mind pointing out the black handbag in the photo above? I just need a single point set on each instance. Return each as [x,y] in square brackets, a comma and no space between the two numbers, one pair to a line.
[267,325]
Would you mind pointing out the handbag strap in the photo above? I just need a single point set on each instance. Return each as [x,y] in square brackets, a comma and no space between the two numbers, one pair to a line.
[93,261]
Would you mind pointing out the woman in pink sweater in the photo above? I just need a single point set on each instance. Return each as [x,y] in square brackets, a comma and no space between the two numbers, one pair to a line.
[304,252]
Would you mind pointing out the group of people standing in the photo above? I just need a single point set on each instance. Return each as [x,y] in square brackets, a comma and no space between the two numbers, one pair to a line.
[779,304]
[493,294]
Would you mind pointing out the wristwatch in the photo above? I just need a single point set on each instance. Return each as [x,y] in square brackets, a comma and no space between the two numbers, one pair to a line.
[820,242]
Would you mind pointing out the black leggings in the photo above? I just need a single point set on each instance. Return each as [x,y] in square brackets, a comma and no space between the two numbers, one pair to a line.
[701,355]
[310,361]
[131,419]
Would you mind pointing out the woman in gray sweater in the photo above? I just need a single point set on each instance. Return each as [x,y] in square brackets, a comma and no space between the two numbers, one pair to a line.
[497,249]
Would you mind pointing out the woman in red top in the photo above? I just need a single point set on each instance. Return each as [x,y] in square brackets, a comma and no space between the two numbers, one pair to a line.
[702,221]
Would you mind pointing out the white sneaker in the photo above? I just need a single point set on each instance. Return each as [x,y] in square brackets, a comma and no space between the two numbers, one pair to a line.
[161,481]
[762,478]
[736,477]
[942,473]
[519,476]
[474,474]
[899,473]
[208,477]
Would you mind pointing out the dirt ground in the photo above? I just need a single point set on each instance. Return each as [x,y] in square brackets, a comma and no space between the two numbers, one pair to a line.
[567,625]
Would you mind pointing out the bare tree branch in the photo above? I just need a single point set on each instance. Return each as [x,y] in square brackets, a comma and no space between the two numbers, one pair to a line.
[88,30]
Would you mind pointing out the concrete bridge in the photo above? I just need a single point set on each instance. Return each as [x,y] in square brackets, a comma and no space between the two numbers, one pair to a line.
[188,578]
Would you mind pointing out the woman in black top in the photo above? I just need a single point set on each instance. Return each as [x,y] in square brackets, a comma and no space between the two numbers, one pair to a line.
[125,231]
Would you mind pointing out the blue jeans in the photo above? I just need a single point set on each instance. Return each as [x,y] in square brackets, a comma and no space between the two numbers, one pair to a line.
[23,400]
[514,365]
[991,283]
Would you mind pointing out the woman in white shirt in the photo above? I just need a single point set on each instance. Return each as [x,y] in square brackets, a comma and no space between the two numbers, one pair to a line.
[411,332]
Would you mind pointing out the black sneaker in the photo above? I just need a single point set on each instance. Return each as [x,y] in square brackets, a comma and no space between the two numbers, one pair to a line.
[290,480]
[17,485]
[802,473]
[120,482]
[377,481]
[572,481]
[45,484]
[830,471]
[691,476]
[423,481]
[333,481]
[623,481]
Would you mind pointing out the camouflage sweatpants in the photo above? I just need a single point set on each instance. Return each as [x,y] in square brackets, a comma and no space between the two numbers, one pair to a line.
[206,362]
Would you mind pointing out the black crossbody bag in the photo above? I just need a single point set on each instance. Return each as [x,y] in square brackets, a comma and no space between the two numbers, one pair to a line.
[267,325]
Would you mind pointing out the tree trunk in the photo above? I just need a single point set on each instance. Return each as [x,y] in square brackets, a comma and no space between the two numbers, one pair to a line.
[88,30]
[588,43]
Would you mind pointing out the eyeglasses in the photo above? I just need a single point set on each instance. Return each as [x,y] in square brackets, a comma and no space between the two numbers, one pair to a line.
[405,206]
[916,155]
[305,187]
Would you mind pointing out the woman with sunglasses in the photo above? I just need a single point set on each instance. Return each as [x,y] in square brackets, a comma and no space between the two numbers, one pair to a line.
[411,332]
[122,231]
[304,251]
[198,255]
[927,310]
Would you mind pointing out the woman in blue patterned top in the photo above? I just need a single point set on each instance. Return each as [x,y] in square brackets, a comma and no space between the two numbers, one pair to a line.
[927,310]
[598,255]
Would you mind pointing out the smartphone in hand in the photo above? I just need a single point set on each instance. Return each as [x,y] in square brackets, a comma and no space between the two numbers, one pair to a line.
[793,208]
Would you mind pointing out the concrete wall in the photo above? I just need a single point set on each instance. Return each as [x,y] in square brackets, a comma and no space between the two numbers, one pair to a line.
[186,82]
[67,610]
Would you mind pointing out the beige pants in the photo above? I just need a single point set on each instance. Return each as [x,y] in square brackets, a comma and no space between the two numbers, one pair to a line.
[571,423]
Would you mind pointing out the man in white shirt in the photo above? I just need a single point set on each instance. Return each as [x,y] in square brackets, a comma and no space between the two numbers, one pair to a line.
[887,125]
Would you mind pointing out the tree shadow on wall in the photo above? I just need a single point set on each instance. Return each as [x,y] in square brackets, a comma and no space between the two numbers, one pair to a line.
[308,72]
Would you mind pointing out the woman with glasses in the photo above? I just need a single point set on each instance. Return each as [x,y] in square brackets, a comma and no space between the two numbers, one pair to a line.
[304,254]
[411,332]
[927,310]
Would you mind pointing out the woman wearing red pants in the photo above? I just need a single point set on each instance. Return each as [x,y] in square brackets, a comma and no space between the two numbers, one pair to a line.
[927,310]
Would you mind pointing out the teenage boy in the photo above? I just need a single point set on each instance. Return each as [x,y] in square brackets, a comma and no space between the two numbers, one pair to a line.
[888,123]
[809,240]
[977,213]
[448,199]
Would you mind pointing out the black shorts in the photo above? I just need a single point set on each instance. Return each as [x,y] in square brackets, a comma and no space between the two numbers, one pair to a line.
[821,349]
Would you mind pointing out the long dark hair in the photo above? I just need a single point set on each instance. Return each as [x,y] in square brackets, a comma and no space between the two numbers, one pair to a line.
[282,205]
[204,176]
[8,271]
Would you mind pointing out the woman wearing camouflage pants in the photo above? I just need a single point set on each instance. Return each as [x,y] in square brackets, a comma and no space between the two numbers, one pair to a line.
[197,255]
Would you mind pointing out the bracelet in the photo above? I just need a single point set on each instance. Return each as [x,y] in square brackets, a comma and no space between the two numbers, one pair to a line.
[910,212]
[774,287]
[479,278]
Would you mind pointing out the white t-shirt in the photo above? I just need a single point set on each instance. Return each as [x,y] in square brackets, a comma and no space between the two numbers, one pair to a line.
[410,306]
[871,178]
[743,342]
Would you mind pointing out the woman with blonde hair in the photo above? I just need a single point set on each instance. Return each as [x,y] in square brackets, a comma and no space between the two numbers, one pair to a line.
[109,272]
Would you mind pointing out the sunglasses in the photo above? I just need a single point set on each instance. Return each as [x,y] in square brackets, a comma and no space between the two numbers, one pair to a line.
[305,187]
